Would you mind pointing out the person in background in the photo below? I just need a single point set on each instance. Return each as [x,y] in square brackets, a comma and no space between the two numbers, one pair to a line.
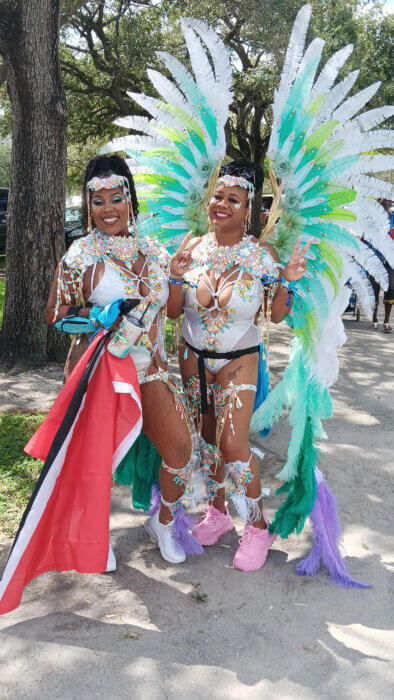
[388,297]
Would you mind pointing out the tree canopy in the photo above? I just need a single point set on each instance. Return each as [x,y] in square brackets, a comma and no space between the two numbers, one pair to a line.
[107,46]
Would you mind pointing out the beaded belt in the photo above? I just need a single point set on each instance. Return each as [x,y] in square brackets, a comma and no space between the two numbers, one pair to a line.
[210,354]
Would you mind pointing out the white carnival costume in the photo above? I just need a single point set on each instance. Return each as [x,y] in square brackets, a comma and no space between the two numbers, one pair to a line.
[317,151]
[224,328]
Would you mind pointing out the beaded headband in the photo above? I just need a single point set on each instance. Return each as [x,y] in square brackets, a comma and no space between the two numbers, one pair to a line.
[111,182]
[108,183]
[237,181]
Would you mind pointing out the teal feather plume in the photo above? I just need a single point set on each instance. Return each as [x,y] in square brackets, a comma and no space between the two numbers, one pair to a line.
[320,172]
[194,95]
[334,233]
[184,141]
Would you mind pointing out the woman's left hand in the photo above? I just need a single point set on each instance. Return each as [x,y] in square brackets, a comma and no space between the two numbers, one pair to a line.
[296,265]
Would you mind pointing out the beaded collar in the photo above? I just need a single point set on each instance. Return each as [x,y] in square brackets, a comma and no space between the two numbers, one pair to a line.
[247,255]
[123,248]
[96,247]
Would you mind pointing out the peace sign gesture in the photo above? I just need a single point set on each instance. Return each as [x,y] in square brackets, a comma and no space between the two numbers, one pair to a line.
[296,265]
[182,259]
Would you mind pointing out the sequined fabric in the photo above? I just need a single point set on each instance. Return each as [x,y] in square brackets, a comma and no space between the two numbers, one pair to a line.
[223,328]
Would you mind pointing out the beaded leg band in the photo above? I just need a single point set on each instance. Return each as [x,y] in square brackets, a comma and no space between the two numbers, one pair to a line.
[247,508]
[226,401]
[188,479]
[209,462]
[165,377]
[172,507]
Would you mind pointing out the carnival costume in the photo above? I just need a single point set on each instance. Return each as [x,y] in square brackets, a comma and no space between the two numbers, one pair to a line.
[216,335]
[318,160]
[97,418]
[319,165]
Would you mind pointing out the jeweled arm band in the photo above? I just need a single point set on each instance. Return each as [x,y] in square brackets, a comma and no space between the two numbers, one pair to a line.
[174,280]
[289,287]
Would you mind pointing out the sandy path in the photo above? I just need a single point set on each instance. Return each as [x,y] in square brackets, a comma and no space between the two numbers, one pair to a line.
[140,633]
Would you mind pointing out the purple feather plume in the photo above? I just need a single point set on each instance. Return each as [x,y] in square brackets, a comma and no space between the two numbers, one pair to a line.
[327,534]
[155,499]
[182,525]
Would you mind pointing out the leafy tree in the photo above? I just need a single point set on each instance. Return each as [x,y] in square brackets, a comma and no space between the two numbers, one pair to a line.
[257,33]
[78,154]
[106,49]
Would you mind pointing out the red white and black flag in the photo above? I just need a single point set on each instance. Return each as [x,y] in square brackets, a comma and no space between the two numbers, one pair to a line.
[93,423]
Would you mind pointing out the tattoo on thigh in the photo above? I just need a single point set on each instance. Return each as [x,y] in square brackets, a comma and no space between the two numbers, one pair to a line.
[232,375]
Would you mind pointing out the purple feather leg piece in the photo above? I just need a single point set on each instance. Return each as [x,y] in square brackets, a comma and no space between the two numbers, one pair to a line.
[155,499]
[182,525]
[327,533]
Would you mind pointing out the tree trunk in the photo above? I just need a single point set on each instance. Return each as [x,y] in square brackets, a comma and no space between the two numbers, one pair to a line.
[259,145]
[29,36]
[256,225]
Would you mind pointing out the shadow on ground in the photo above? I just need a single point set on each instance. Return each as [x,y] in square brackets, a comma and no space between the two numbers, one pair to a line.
[147,630]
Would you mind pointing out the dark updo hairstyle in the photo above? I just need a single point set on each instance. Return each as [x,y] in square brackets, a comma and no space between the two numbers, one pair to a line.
[104,166]
[244,168]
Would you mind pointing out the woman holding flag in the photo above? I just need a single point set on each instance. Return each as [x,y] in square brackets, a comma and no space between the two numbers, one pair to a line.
[99,412]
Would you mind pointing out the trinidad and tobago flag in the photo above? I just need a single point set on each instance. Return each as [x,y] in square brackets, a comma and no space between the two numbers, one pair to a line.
[92,424]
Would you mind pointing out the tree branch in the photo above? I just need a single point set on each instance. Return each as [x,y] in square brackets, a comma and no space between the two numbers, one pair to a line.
[77,49]
[70,7]
[233,39]
[232,151]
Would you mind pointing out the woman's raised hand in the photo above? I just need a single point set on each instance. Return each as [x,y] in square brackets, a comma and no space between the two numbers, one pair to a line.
[182,259]
[296,265]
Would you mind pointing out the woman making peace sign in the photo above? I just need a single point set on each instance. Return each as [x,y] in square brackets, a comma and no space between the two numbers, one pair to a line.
[218,287]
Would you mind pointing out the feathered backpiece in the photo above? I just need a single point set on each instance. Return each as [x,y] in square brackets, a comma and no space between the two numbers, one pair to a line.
[182,143]
[320,150]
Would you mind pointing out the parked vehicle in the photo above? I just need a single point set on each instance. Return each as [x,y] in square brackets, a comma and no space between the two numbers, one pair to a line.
[73,228]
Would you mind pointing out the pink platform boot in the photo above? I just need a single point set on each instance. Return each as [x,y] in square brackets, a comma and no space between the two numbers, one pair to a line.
[213,526]
[253,549]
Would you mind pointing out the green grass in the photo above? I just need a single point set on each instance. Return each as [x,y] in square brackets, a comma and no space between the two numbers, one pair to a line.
[2,292]
[18,472]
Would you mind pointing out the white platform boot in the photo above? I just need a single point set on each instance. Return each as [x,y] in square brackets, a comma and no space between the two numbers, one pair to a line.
[164,537]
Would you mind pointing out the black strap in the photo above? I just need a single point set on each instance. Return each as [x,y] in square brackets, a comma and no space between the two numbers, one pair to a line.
[73,311]
[203,354]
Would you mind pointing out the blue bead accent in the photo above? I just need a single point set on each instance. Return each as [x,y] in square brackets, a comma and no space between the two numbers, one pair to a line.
[172,281]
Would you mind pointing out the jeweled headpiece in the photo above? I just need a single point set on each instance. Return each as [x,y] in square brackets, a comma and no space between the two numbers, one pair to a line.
[109,183]
[237,181]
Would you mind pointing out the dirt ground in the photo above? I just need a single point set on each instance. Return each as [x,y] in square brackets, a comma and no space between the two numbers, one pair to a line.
[143,633]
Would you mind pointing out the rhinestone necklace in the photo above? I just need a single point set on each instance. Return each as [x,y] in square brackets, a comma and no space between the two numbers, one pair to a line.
[245,254]
[119,247]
